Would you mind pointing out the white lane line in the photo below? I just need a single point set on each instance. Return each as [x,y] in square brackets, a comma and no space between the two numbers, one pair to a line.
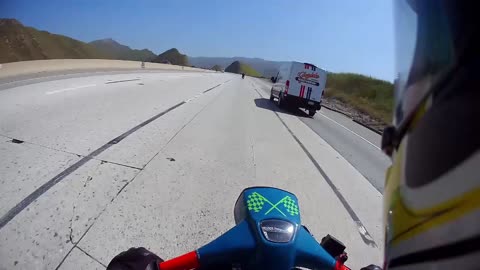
[69,89]
[353,132]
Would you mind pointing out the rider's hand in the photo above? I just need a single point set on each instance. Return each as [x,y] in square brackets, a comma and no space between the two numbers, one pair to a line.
[135,259]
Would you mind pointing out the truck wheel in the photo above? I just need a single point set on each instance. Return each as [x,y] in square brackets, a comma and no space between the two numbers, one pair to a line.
[279,100]
[311,113]
[271,96]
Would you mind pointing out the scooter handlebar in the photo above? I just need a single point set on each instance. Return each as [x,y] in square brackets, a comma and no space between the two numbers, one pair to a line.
[238,245]
[186,261]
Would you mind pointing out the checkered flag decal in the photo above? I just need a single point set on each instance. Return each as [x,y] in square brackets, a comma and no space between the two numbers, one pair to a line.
[255,202]
[291,206]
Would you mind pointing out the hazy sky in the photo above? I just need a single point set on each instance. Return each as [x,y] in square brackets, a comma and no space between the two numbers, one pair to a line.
[339,35]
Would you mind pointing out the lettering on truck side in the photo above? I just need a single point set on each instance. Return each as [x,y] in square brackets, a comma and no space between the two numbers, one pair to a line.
[308,78]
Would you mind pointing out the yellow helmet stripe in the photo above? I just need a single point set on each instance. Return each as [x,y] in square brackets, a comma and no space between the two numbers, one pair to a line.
[409,223]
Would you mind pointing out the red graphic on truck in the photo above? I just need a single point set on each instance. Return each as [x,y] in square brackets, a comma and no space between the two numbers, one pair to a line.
[308,78]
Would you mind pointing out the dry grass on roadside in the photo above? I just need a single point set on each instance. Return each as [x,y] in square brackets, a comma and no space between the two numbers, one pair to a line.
[365,94]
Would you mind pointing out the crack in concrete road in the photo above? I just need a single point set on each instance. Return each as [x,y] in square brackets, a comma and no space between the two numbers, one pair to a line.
[93,258]
[87,180]
[40,145]
[11,139]
[75,244]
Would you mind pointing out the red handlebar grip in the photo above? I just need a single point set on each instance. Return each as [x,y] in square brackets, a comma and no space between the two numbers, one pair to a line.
[340,266]
[184,262]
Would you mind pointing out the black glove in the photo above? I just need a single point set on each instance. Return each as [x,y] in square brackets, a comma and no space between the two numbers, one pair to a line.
[371,267]
[135,259]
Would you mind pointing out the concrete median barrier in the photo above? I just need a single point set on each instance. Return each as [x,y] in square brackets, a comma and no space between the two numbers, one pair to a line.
[15,69]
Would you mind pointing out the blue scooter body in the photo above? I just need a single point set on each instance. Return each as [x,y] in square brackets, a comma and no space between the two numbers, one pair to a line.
[268,235]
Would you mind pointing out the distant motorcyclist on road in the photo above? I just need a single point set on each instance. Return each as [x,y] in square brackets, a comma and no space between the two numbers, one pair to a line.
[243,75]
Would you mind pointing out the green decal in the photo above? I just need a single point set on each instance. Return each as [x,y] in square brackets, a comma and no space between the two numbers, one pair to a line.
[290,205]
[256,201]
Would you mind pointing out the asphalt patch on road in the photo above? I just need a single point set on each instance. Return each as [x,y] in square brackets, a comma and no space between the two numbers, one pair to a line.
[131,80]
[209,89]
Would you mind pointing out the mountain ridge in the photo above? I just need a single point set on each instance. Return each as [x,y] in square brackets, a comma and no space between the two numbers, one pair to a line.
[266,67]
[111,47]
[21,43]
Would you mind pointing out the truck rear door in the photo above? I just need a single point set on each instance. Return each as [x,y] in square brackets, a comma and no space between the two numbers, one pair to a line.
[307,81]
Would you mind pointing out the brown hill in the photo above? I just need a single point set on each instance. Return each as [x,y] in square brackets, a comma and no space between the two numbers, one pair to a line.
[116,50]
[172,56]
[21,43]
[238,67]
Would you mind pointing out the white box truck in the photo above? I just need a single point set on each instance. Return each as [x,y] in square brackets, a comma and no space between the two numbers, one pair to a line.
[299,85]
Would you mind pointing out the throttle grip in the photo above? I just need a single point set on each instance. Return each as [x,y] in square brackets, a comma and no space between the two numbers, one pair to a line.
[340,266]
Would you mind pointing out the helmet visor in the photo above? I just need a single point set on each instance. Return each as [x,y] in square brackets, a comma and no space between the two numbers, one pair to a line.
[422,52]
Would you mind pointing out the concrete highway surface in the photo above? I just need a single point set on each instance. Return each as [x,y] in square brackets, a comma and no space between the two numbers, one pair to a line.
[92,165]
